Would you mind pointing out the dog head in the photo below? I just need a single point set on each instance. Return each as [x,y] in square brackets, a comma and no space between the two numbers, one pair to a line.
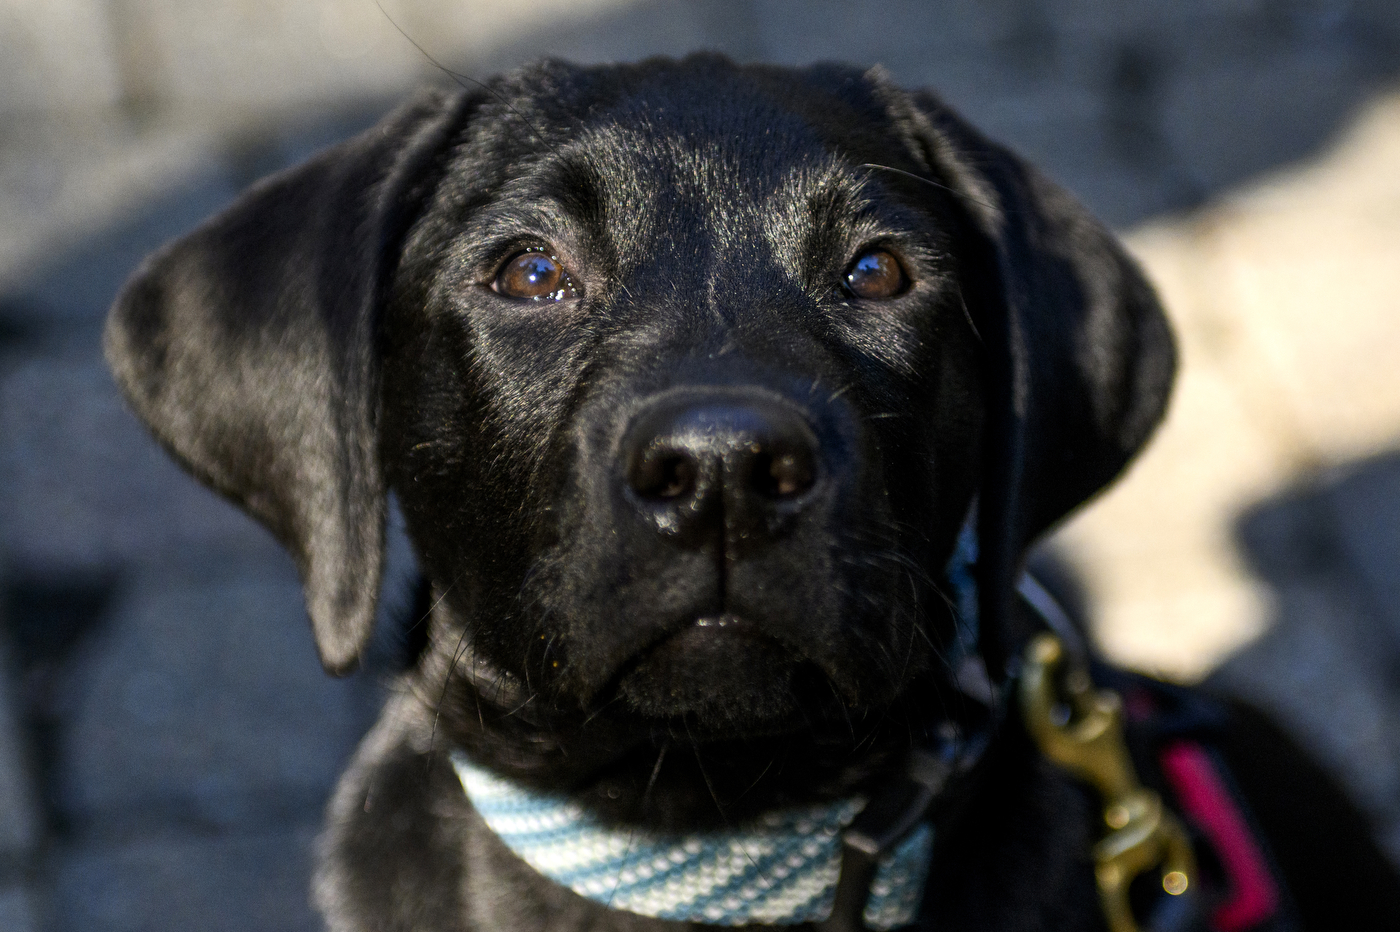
[685,375]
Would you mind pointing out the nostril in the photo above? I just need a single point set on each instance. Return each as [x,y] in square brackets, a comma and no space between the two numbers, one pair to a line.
[695,462]
[663,474]
[675,475]
[782,473]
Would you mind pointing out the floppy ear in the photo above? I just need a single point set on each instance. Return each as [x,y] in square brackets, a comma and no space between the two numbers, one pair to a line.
[1080,355]
[248,348]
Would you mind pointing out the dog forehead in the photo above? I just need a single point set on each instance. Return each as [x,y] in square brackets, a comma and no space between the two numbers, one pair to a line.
[709,98]
[711,180]
[680,173]
[697,136]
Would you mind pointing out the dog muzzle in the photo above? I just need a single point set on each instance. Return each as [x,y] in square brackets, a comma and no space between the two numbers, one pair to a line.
[825,864]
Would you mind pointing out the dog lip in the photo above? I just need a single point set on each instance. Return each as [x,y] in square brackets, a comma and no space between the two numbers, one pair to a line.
[716,665]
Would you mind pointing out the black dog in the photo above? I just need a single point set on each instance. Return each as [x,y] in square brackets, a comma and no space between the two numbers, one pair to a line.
[687,378]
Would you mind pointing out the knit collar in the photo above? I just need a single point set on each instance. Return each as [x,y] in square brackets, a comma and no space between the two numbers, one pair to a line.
[781,869]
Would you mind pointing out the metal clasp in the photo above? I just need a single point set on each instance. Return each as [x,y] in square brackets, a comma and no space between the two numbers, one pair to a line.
[1080,728]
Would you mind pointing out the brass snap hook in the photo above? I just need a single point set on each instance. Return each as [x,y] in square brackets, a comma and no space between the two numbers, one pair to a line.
[1081,730]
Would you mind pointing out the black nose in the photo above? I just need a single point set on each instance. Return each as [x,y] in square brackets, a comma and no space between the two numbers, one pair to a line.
[742,463]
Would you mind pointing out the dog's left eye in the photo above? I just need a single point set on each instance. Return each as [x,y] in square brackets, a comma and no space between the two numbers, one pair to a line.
[534,275]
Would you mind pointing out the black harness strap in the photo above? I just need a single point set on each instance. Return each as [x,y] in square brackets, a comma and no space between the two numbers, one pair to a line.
[932,788]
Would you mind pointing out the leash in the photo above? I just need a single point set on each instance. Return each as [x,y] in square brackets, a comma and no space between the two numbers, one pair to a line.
[1080,729]
[1087,730]
[1075,726]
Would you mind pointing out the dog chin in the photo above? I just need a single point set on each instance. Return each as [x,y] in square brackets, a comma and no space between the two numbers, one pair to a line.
[718,674]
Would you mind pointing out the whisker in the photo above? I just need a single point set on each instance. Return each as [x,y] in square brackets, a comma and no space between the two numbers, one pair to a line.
[458,77]
[845,712]
[655,772]
[724,816]
[599,711]
[962,195]
[695,749]
[622,865]
[528,699]
[967,315]
[760,777]
[840,391]
[431,608]
[457,652]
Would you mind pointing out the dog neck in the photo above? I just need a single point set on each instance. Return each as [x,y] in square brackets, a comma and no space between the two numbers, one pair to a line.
[780,867]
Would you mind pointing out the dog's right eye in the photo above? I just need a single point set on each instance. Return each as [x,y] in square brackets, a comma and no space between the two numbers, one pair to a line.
[534,275]
[876,275]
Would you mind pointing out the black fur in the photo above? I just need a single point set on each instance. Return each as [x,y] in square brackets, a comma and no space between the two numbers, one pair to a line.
[333,337]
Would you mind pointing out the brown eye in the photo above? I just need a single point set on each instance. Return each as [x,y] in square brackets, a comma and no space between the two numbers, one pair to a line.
[876,275]
[533,276]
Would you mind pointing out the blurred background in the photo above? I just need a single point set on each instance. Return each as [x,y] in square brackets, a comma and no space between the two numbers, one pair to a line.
[167,738]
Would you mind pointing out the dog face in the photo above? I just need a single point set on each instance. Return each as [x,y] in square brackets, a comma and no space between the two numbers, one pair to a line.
[686,376]
[715,359]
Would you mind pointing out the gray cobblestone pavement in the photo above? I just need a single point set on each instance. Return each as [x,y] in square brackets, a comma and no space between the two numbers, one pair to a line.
[167,738]
[1330,551]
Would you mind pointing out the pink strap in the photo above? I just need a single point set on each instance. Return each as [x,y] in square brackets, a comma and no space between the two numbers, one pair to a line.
[1203,796]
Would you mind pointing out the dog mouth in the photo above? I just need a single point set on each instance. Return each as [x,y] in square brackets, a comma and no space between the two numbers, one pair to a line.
[720,671]
[723,620]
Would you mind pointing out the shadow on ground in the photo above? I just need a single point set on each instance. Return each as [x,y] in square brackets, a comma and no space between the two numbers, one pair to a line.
[1329,664]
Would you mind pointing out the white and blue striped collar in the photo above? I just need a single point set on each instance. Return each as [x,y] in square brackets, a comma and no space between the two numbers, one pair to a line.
[779,870]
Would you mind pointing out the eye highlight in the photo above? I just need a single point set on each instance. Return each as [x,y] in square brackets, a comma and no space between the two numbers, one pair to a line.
[876,275]
[534,275]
